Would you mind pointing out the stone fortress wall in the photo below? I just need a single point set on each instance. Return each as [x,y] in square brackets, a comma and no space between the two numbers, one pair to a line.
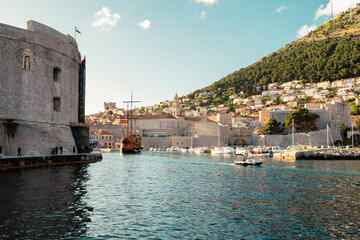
[39,89]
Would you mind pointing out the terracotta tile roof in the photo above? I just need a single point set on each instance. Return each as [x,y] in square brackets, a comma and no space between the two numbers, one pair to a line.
[194,118]
[100,132]
[163,116]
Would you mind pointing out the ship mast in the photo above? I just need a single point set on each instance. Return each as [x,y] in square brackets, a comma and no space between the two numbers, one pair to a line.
[131,113]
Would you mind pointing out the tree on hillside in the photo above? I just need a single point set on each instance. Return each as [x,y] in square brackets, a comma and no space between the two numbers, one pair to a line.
[272,127]
[354,109]
[357,121]
[343,132]
[304,120]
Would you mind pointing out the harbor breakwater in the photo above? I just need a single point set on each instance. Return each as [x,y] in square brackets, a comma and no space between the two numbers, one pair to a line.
[8,163]
[318,154]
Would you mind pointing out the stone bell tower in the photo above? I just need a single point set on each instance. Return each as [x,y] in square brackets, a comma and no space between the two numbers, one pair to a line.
[176,106]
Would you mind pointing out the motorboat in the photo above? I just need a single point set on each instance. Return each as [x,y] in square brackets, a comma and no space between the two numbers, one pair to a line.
[217,150]
[241,151]
[228,150]
[246,162]
[199,150]
[184,150]
[276,149]
[260,152]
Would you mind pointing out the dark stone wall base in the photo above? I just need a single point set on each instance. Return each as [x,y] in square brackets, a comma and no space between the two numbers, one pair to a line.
[8,163]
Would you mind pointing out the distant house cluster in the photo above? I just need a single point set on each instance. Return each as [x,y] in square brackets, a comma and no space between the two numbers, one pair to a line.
[185,122]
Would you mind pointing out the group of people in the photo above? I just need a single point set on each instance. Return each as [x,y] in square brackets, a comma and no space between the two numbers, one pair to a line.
[56,149]
[84,149]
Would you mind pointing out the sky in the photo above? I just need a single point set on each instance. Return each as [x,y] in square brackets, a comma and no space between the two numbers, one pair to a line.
[157,48]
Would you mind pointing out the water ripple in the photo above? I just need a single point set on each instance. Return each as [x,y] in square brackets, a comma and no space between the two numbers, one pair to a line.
[182,196]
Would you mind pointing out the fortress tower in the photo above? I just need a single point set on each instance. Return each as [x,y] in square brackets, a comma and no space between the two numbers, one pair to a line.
[42,90]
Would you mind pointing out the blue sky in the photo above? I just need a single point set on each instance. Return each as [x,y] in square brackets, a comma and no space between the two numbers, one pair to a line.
[157,48]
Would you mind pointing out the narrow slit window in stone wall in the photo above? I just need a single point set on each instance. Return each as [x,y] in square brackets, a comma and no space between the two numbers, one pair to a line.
[57,106]
[57,74]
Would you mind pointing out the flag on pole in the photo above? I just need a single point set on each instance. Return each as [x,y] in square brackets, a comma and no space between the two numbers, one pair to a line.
[77,30]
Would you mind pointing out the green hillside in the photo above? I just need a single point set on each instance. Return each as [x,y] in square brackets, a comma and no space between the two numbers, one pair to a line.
[330,52]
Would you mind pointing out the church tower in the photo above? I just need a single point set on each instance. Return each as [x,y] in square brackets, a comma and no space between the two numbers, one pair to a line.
[176,106]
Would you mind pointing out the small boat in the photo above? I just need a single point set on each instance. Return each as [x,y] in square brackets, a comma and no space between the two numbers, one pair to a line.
[260,152]
[241,151]
[207,150]
[228,150]
[217,150]
[276,149]
[246,162]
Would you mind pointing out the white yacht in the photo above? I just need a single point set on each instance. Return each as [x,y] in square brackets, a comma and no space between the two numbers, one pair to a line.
[228,150]
[217,150]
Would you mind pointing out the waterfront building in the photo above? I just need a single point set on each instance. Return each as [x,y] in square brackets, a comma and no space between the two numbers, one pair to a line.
[42,93]
[102,139]
[333,113]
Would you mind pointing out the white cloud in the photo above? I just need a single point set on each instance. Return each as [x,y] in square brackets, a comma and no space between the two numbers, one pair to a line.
[202,15]
[338,6]
[280,9]
[144,24]
[105,18]
[305,30]
[207,2]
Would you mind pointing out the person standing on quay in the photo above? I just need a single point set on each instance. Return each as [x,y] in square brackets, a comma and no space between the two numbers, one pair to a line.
[60,148]
[56,150]
[74,149]
[19,152]
[0,150]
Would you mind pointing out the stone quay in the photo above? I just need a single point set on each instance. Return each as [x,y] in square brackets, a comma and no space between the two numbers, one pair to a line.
[9,163]
[319,154]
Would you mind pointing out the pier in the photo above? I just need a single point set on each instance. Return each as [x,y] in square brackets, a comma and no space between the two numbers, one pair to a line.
[319,154]
[9,162]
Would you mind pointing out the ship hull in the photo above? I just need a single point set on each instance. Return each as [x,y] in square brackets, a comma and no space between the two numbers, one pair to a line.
[131,144]
[129,151]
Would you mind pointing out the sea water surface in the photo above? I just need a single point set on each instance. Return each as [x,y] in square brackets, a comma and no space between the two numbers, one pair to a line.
[167,195]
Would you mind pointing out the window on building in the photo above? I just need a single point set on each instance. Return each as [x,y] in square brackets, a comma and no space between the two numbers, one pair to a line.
[109,137]
[56,105]
[102,137]
[57,75]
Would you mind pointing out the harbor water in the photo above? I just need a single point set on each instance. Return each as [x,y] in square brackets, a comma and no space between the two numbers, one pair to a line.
[171,195]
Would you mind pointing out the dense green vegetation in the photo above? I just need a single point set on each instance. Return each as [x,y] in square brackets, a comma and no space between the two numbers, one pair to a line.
[304,120]
[272,127]
[330,52]
[311,62]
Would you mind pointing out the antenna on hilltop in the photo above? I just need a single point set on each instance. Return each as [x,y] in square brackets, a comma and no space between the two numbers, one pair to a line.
[350,13]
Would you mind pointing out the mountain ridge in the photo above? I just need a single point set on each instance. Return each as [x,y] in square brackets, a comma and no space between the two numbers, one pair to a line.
[330,52]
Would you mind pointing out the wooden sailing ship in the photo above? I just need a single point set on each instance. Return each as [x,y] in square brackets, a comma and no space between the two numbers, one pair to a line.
[131,142]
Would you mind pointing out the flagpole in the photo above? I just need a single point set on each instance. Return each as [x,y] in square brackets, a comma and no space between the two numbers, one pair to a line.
[75,33]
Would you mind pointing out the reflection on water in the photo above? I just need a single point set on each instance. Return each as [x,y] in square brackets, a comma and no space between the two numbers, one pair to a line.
[44,203]
[173,195]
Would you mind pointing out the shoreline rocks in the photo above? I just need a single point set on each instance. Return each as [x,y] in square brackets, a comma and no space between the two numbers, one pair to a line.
[320,154]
